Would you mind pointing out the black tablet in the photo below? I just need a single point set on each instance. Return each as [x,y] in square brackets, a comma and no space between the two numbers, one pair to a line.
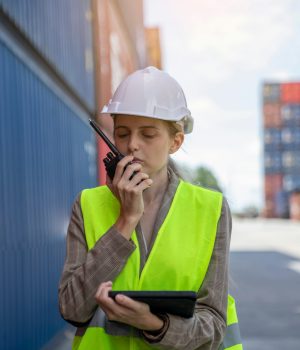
[180,303]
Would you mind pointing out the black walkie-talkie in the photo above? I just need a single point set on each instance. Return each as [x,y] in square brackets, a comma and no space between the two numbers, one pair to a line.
[113,157]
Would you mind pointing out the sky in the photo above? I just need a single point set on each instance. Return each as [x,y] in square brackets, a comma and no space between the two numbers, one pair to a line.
[221,52]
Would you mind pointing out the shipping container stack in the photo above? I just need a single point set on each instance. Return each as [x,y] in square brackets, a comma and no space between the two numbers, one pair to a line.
[47,152]
[60,61]
[281,114]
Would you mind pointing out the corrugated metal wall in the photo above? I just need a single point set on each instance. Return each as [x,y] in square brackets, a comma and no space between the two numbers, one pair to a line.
[62,32]
[47,155]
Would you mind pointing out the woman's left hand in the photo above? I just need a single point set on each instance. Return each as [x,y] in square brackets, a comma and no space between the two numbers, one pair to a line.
[126,310]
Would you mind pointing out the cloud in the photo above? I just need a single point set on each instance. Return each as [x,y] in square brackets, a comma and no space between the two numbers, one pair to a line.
[280,75]
[213,38]
[220,51]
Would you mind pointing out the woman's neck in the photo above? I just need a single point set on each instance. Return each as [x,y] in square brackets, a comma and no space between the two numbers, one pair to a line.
[158,188]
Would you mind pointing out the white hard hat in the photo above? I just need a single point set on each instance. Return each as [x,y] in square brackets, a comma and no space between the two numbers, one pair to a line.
[152,93]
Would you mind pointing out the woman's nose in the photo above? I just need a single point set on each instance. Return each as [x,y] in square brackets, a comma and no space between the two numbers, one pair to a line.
[133,144]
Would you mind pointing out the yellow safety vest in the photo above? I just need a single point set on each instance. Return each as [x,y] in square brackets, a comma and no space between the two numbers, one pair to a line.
[178,260]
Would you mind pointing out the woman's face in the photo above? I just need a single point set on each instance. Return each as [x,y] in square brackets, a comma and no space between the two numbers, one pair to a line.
[147,139]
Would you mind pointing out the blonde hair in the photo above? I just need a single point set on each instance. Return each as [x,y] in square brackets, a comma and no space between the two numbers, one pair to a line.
[173,127]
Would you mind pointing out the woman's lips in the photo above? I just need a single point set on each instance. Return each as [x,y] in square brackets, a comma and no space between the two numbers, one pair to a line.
[137,160]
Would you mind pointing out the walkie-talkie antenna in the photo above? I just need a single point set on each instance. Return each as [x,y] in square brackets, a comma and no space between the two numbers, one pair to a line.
[105,138]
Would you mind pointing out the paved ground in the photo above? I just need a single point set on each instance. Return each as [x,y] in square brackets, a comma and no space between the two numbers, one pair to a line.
[265,279]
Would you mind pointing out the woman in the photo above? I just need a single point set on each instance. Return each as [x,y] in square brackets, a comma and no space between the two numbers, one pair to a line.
[147,230]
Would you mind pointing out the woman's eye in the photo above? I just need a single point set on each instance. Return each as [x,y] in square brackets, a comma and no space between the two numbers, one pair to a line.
[121,135]
[149,136]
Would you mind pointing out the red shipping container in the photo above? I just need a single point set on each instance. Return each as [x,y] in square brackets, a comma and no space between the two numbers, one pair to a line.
[290,92]
[272,115]
[269,210]
[273,184]
[295,206]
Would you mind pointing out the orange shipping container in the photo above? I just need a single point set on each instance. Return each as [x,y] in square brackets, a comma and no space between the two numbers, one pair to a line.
[273,184]
[295,206]
[153,47]
[120,49]
[290,92]
[272,115]
[269,210]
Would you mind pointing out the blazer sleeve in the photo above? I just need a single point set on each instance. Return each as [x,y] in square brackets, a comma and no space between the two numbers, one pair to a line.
[85,269]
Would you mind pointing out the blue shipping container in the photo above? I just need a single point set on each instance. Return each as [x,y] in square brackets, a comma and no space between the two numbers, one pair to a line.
[273,162]
[62,32]
[291,182]
[47,152]
[282,204]
[272,139]
[290,114]
[291,161]
[290,138]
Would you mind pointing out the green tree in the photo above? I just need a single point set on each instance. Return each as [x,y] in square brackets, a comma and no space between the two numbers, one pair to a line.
[204,177]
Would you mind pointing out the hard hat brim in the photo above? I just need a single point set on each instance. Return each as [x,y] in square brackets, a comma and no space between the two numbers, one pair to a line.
[188,120]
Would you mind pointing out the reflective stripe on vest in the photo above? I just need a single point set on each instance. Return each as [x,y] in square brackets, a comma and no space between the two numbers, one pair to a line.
[187,235]
[232,339]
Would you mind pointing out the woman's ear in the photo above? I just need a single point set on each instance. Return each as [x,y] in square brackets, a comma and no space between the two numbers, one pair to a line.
[176,142]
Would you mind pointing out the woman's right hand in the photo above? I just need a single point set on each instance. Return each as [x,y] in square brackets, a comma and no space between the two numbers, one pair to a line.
[129,191]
